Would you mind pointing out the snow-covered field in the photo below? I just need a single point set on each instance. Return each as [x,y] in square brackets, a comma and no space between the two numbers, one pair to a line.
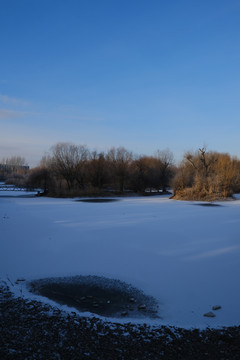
[185,255]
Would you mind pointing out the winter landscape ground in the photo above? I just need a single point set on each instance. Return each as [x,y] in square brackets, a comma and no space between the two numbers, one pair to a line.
[184,254]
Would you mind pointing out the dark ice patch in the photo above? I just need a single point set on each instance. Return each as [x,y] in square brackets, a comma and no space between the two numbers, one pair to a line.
[99,295]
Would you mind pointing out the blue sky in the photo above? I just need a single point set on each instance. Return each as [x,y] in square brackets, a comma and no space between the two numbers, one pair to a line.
[145,75]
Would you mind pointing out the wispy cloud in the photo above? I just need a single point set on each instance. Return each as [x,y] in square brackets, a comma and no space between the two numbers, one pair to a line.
[213,253]
[5,99]
[6,114]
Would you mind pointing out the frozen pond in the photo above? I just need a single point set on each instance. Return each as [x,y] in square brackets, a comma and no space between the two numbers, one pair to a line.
[185,256]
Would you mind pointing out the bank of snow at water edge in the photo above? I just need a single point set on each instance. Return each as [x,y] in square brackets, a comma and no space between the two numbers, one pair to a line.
[185,255]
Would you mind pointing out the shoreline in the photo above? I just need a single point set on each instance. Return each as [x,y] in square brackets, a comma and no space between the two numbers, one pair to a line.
[33,330]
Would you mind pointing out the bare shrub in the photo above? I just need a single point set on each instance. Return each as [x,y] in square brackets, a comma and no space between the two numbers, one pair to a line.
[207,176]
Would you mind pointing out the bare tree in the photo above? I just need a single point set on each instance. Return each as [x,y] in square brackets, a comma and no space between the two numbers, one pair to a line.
[120,160]
[40,177]
[14,168]
[165,166]
[68,161]
[14,163]
[97,167]
[141,174]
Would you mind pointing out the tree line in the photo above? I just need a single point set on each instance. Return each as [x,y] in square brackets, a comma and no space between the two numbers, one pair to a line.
[75,170]
[13,169]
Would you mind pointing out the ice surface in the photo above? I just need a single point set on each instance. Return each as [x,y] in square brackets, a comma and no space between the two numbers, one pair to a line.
[184,255]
